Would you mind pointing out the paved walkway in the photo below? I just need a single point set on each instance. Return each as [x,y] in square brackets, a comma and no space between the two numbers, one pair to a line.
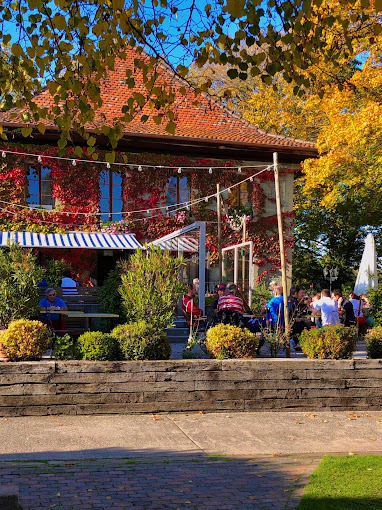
[167,483]
[233,461]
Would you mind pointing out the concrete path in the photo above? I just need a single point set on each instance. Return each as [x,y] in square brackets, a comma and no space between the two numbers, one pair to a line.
[187,461]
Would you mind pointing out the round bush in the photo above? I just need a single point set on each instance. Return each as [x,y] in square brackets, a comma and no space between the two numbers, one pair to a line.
[225,341]
[373,341]
[26,340]
[139,341]
[330,342]
[98,346]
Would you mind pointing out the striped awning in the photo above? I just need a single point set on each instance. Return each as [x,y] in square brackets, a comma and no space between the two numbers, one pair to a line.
[92,240]
[182,243]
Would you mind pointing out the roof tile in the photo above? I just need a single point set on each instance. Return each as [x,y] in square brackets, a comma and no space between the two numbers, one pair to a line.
[206,120]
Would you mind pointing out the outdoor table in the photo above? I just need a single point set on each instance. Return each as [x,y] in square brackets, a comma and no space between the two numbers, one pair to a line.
[89,316]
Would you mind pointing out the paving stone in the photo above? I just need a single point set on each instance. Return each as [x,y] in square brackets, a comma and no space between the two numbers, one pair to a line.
[160,483]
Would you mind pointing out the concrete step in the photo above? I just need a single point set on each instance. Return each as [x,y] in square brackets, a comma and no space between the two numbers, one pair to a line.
[178,339]
[170,332]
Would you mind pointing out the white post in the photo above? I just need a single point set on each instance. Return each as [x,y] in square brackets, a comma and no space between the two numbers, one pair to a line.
[236,266]
[202,265]
[250,273]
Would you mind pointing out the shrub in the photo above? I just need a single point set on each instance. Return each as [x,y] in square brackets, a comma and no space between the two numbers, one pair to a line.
[375,299]
[26,340]
[260,296]
[373,341]
[225,341]
[19,277]
[110,298]
[330,342]
[139,341]
[98,346]
[150,287]
[64,347]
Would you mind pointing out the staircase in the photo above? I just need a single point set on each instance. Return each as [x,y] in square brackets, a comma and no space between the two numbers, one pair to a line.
[179,334]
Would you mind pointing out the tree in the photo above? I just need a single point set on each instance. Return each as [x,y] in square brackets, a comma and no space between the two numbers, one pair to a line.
[70,47]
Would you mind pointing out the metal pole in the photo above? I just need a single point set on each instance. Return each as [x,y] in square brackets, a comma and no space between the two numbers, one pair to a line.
[282,253]
[219,214]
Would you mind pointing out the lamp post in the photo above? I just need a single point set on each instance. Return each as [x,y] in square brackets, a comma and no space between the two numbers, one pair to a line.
[332,272]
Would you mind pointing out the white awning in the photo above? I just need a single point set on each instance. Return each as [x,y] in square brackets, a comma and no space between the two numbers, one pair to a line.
[185,244]
[92,240]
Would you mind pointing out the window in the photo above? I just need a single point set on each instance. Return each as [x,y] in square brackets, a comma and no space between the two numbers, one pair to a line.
[178,191]
[239,195]
[40,187]
[110,184]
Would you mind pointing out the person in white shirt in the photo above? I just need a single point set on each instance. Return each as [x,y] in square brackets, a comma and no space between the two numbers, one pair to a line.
[329,309]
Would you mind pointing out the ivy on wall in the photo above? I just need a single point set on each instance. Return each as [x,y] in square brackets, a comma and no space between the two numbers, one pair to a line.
[76,190]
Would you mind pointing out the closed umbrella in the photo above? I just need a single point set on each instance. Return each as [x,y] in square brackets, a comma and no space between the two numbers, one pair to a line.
[367,277]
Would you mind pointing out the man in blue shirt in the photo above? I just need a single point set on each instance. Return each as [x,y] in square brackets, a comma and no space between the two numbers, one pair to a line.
[275,309]
[51,303]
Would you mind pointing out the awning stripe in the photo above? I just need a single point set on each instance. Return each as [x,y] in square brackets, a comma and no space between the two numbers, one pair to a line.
[92,240]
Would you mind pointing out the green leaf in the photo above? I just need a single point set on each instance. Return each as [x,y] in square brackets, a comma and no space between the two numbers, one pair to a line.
[41,127]
[232,73]
[110,157]
[62,143]
[170,128]
[91,141]
[235,8]
[26,131]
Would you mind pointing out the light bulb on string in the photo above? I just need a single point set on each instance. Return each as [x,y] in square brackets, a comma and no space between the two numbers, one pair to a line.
[180,170]
[206,199]
[229,190]
[3,154]
[239,169]
[39,159]
[140,168]
[74,162]
[251,179]
[187,207]
[210,171]
[107,165]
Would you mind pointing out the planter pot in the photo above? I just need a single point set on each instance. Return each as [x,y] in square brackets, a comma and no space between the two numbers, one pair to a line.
[3,357]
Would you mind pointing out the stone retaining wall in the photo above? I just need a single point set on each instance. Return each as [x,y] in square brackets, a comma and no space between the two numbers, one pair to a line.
[81,387]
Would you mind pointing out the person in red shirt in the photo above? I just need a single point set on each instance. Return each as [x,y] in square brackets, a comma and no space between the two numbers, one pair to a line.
[231,302]
[189,308]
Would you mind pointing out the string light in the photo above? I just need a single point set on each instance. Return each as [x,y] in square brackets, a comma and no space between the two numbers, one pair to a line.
[74,163]
[210,171]
[239,169]
[107,165]
[39,159]
[3,154]
[139,168]
[175,208]
[180,170]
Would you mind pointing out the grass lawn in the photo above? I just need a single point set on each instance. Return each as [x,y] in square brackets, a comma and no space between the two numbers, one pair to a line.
[345,483]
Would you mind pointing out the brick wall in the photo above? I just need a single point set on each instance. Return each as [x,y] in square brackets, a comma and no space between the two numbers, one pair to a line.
[80,387]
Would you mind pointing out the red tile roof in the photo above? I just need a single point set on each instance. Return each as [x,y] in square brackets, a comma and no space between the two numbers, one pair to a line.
[208,120]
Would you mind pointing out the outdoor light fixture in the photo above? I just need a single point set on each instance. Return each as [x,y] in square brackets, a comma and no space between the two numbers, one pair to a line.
[333,273]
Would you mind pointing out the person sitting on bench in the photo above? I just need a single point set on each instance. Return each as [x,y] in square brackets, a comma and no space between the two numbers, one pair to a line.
[51,303]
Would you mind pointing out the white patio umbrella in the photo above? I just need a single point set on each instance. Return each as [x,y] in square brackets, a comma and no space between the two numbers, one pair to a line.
[367,277]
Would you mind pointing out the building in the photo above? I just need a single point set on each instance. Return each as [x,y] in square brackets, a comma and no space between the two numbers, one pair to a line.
[159,181]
